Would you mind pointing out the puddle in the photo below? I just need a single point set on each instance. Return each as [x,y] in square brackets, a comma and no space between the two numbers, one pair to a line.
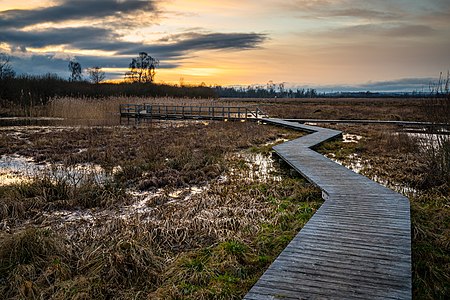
[148,200]
[351,138]
[80,221]
[428,140]
[355,163]
[358,165]
[16,169]
[254,167]
[251,167]
[277,141]
[161,123]
[30,121]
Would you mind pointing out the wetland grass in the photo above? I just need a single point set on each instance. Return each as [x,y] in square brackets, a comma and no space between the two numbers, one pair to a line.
[62,239]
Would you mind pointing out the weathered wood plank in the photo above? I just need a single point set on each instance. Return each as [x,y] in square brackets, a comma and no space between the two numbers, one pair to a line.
[356,246]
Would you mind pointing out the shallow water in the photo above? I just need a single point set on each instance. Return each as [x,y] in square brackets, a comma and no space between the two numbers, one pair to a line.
[351,138]
[16,169]
[256,167]
[355,163]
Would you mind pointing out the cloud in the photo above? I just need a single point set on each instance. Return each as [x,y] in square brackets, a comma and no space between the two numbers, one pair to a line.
[397,85]
[109,18]
[187,42]
[58,36]
[361,13]
[377,30]
[319,9]
[69,10]
[404,84]
[87,39]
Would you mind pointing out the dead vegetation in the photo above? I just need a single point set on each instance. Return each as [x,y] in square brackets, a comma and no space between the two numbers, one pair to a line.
[211,245]
[394,109]
[82,240]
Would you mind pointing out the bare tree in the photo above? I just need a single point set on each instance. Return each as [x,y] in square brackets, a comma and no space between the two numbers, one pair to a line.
[75,71]
[6,70]
[96,74]
[142,68]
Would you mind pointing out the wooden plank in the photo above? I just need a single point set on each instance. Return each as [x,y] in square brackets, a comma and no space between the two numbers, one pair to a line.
[356,246]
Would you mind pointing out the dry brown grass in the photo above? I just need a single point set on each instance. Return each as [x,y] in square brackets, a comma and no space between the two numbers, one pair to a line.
[100,252]
[343,108]
[106,111]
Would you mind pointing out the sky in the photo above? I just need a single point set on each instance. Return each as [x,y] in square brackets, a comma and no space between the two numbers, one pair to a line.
[377,45]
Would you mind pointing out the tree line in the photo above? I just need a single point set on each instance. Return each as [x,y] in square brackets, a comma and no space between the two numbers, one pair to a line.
[32,90]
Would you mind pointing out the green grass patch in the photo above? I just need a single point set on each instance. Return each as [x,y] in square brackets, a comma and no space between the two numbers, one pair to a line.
[228,269]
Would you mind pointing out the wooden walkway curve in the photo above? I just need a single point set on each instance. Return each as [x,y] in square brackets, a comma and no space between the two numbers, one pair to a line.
[356,246]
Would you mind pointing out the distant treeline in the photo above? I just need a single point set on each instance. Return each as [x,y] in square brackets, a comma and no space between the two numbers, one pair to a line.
[262,92]
[27,91]
[39,90]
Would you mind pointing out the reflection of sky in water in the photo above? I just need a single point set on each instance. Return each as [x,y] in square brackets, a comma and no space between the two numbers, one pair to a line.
[15,169]
[258,167]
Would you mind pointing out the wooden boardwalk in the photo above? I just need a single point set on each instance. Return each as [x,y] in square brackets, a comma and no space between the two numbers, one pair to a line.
[175,112]
[356,246]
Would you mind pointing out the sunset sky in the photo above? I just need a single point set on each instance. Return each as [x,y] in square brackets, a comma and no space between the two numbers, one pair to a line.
[335,44]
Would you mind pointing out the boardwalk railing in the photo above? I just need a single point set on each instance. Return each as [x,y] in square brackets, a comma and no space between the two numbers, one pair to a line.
[151,111]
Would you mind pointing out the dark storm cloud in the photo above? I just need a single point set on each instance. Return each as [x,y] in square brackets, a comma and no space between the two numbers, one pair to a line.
[59,36]
[103,39]
[44,63]
[40,64]
[209,41]
[69,10]
[92,38]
